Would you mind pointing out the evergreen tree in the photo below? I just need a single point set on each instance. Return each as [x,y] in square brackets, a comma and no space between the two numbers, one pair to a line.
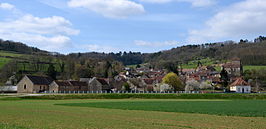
[224,78]
[51,72]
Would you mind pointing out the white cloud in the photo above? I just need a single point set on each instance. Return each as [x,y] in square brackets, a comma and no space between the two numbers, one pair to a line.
[243,19]
[155,44]
[98,48]
[49,33]
[110,8]
[6,6]
[194,3]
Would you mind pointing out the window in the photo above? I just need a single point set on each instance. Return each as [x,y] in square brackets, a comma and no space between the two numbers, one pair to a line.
[40,87]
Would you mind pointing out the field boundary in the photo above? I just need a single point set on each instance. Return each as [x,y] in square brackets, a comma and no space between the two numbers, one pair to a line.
[147,96]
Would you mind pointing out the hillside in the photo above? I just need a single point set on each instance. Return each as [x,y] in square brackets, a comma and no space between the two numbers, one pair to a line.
[249,53]
[19,47]
[22,59]
[19,59]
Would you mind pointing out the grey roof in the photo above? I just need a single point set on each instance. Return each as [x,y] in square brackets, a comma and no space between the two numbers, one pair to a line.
[40,80]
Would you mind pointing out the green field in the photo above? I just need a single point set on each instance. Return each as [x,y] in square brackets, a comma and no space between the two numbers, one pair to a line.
[248,108]
[3,61]
[11,54]
[129,113]
[250,67]
[194,64]
[5,58]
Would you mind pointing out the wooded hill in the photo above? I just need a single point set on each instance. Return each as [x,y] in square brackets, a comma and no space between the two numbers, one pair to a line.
[250,53]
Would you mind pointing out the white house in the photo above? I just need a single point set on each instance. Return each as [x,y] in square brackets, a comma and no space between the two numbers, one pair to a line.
[240,86]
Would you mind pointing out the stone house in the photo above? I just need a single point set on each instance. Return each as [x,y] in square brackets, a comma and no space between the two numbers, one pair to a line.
[68,86]
[233,68]
[57,86]
[105,84]
[97,84]
[34,84]
[79,85]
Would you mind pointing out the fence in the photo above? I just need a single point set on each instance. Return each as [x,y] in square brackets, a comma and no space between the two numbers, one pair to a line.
[123,92]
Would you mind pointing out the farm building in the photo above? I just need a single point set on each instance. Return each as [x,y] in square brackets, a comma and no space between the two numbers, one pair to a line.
[34,84]
[8,89]
[68,86]
[240,86]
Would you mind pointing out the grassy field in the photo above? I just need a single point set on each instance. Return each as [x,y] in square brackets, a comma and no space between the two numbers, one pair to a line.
[11,54]
[47,114]
[250,67]
[205,62]
[3,61]
[26,57]
[247,108]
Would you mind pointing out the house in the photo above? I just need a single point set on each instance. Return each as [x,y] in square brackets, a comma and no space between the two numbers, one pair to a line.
[79,85]
[233,68]
[240,86]
[187,71]
[57,86]
[12,81]
[10,85]
[105,84]
[117,83]
[34,84]
[149,84]
[97,84]
[68,86]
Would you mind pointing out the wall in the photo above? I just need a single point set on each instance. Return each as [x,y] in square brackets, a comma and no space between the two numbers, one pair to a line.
[29,85]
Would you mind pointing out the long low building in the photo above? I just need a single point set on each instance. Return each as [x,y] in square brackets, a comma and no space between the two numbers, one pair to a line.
[40,84]
[68,86]
[8,89]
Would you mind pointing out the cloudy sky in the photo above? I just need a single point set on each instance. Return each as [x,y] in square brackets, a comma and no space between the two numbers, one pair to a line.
[128,25]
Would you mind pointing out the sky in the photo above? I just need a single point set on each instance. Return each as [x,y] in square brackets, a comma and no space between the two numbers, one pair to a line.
[146,26]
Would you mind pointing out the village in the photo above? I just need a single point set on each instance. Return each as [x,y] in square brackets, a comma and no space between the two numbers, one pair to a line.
[203,79]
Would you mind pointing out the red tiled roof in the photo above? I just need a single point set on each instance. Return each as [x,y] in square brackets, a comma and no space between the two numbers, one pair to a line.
[239,82]
[148,80]
[232,65]
[188,70]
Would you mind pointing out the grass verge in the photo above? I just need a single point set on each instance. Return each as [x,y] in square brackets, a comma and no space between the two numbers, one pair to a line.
[148,96]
